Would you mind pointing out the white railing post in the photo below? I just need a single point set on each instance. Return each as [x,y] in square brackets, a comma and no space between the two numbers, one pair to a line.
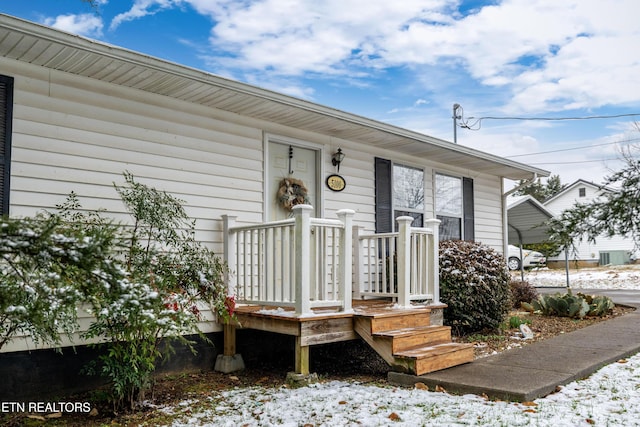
[229,255]
[404,260]
[434,260]
[302,214]
[358,260]
[346,258]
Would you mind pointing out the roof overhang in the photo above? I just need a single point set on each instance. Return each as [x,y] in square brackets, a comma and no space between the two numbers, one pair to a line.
[46,47]
[526,217]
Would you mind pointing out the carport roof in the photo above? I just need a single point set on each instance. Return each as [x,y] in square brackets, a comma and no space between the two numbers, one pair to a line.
[525,218]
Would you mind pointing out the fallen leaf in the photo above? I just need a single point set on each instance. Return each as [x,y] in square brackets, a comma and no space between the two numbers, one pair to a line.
[234,378]
[484,396]
[622,361]
[531,411]
[440,389]
[394,417]
[421,386]
[529,404]
[94,412]
[342,402]
[590,421]
[461,414]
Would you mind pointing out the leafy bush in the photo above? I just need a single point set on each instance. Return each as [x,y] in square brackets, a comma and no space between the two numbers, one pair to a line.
[522,291]
[161,276]
[474,283]
[45,269]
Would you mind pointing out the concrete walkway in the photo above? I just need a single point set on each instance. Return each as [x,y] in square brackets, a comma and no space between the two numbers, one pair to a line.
[534,371]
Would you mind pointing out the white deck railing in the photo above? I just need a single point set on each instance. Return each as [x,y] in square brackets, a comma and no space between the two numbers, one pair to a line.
[401,265]
[306,263]
[301,262]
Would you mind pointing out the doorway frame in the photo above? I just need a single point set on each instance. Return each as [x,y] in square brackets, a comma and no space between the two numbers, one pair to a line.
[268,201]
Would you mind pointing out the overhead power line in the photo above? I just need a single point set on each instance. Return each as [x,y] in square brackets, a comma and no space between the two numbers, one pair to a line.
[465,122]
[574,148]
[573,163]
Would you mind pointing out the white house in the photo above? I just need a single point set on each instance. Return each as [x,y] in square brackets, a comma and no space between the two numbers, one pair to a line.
[614,250]
[76,113]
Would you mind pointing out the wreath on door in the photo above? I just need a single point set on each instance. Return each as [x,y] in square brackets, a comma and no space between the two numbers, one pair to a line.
[292,192]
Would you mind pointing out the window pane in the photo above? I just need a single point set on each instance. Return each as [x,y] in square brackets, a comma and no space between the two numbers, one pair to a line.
[448,195]
[408,187]
[450,228]
[417,217]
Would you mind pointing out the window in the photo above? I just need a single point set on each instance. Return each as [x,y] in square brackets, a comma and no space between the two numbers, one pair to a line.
[582,192]
[399,192]
[454,207]
[449,206]
[408,193]
[6,113]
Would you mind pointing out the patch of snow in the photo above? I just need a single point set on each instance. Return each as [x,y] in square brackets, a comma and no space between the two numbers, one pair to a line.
[606,398]
[618,277]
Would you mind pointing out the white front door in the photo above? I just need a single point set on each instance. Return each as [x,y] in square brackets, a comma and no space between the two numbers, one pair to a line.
[290,161]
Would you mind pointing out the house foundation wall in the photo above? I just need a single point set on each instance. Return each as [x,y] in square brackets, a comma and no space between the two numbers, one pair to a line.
[45,374]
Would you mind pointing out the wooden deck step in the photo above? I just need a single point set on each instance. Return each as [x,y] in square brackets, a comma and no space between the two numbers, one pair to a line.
[408,338]
[388,320]
[422,360]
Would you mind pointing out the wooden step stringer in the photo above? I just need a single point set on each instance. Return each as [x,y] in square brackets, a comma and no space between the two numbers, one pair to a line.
[406,340]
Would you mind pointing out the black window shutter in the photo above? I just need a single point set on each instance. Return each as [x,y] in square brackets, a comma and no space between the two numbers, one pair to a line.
[6,119]
[384,212]
[467,208]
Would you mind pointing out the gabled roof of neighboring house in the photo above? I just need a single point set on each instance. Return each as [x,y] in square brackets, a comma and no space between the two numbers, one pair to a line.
[577,183]
[525,216]
[39,45]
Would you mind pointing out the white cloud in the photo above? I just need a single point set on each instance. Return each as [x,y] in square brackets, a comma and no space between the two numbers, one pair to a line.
[142,8]
[84,24]
[551,55]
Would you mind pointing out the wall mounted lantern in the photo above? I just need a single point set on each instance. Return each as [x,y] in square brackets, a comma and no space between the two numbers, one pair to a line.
[337,158]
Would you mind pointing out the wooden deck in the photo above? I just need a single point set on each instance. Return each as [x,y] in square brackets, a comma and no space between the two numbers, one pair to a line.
[409,339]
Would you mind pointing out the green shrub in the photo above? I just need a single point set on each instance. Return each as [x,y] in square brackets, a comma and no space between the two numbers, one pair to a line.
[522,291]
[45,268]
[162,275]
[474,283]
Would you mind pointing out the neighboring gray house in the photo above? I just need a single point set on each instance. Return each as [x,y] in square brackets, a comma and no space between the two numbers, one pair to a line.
[614,250]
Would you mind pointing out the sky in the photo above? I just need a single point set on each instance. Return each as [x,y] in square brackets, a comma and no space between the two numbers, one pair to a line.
[529,75]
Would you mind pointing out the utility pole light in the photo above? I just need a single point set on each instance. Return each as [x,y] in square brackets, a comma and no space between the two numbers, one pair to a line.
[456,116]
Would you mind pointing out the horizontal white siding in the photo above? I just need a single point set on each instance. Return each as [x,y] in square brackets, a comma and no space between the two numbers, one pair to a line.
[25,343]
[77,134]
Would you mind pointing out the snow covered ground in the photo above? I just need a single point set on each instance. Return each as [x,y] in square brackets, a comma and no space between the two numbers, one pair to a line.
[614,277]
[609,397]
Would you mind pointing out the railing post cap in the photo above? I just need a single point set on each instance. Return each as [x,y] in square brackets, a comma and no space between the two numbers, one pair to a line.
[405,219]
[346,212]
[302,207]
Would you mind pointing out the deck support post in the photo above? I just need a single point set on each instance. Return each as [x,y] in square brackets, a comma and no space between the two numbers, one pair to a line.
[346,258]
[302,357]
[404,261]
[229,360]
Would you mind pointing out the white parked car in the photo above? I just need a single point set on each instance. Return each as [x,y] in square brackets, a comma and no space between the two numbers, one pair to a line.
[531,258]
